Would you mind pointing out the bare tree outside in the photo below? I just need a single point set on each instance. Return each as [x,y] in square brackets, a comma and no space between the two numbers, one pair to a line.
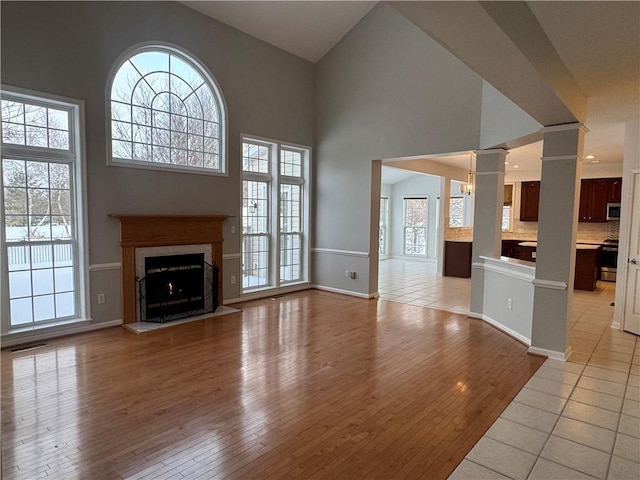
[415,226]
[163,111]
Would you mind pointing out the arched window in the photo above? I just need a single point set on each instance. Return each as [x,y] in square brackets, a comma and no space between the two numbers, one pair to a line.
[166,112]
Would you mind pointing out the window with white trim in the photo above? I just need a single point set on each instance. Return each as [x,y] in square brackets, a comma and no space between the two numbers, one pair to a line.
[166,112]
[415,226]
[43,268]
[274,214]
[383,242]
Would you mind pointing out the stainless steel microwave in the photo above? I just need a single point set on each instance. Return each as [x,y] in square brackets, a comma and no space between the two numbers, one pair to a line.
[613,211]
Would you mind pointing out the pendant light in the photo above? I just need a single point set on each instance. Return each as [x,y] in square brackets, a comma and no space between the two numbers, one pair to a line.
[469,187]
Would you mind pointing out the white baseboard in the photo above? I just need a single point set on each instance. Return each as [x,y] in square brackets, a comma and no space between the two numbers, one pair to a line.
[346,292]
[512,333]
[553,354]
[271,292]
[11,339]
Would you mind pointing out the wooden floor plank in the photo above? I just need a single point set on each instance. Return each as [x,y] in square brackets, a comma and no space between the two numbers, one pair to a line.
[309,385]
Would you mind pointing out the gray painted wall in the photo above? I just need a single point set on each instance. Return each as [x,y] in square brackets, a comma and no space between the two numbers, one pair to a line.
[385,91]
[69,49]
[502,120]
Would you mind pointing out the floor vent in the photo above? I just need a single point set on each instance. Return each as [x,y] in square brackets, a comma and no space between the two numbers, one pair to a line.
[27,347]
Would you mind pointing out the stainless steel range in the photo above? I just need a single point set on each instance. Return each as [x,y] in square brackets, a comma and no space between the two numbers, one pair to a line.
[609,260]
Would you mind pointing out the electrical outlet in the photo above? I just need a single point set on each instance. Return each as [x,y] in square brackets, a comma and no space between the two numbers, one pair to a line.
[347,273]
[233,229]
[233,279]
[101,298]
[509,303]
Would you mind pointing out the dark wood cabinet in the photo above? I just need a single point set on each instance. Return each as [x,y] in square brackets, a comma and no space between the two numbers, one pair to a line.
[510,248]
[529,199]
[457,259]
[595,193]
[615,190]
[587,268]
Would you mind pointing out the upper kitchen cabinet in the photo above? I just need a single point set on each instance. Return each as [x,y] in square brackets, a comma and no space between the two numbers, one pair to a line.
[595,193]
[615,190]
[529,199]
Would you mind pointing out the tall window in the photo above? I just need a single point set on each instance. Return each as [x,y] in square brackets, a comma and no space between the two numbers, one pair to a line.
[507,203]
[415,226]
[166,112]
[41,224]
[383,247]
[274,214]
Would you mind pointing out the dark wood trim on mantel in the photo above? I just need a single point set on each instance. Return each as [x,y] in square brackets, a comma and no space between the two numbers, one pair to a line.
[137,231]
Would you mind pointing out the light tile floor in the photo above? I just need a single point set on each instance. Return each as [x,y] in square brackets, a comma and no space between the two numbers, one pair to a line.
[573,420]
[416,283]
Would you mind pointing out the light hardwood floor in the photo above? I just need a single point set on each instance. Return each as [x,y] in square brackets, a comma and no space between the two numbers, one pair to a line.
[309,385]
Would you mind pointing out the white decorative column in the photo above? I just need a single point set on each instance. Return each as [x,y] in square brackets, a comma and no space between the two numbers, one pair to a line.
[557,232]
[487,217]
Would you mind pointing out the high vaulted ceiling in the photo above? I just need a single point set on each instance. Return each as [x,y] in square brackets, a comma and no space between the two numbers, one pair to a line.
[596,45]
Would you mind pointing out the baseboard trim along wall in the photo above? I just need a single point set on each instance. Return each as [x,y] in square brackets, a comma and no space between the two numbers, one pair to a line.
[96,267]
[12,339]
[351,293]
[562,356]
[512,333]
[332,251]
[272,292]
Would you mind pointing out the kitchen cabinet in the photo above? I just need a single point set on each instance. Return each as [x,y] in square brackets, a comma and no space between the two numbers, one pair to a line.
[529,199]
[615,190]
[457,259]
[587,268]
[594,196]
[587,262]
[595,193]
[510,248]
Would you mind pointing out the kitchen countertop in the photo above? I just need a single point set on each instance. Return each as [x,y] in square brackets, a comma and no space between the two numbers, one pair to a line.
[579,246]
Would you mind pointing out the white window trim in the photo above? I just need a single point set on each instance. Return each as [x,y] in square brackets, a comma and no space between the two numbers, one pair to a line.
[404,226]
[275,180]
[223,114]
[513,205]
[78,150]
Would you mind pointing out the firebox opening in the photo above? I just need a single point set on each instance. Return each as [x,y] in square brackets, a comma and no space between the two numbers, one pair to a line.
[174,284]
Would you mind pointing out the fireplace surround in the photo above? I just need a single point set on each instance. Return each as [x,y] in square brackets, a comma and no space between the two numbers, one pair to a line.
[140,231]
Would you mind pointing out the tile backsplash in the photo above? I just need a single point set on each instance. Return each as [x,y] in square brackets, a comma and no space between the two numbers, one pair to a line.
[587,232]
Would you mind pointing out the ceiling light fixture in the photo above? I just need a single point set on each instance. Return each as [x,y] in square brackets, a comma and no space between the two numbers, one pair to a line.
[469,187]
[590,157]
[507,163]
[595,161]
[516,166]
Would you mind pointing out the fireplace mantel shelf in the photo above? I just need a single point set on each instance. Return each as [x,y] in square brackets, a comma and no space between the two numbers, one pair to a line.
[153,230]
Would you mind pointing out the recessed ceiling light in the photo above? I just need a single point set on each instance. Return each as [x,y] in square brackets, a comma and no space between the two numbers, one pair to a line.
[507,163]
[595,161]
[590,157]
[516,166]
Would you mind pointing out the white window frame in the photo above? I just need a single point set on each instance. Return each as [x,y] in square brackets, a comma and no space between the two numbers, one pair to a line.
[76,157]
[383,249]
[201,68]
[275,180]
[512,207]
[426,227]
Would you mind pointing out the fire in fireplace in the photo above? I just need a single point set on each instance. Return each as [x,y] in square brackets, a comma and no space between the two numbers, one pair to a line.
[174,285]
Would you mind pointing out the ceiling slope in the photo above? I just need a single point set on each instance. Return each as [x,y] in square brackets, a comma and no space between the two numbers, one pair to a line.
[478,39]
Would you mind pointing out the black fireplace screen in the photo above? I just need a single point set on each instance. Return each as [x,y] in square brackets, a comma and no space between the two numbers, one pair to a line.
[177,286]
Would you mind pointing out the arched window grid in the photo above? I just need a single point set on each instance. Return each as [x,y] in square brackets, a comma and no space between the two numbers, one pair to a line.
[165,119]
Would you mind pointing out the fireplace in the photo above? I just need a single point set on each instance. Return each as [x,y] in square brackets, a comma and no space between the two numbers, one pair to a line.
[173,285]
[146,236]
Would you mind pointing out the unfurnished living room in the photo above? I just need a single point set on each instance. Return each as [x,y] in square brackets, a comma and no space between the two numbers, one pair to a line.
[308,239]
